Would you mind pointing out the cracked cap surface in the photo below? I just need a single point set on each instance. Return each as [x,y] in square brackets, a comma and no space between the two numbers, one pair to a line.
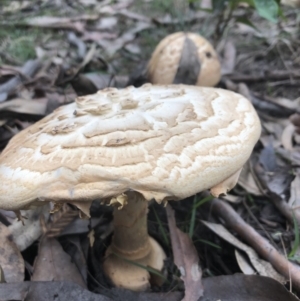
[166,142]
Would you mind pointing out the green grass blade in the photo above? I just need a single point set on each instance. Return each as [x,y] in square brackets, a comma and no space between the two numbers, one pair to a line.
[207,242]
[149,269]
[203,201]
[193,218]
[297,240]
[161,229]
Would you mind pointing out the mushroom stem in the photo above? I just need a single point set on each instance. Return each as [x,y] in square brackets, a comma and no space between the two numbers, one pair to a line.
[130,237]
[132,247]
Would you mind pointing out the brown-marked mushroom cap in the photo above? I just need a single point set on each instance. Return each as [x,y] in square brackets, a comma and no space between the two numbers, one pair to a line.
[185,58]
[131,145]
[166,142]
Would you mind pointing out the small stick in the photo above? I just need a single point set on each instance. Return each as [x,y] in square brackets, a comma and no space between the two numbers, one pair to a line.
[265,76]
[29,69]
[259,243]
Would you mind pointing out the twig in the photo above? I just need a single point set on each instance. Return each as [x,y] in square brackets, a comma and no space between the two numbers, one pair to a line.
[29,69]
[288,212]
[258,223]
[285,254]
[259,243]
[265,76]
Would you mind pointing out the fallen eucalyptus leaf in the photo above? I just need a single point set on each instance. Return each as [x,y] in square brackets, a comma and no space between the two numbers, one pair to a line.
[24,106]
[186,259]
[247,181]
[243,263]
[263,267]
[11,260]
[26,233]
[53,264]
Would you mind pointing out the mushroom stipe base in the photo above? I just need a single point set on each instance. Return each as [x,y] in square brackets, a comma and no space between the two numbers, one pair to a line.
[127,274]
[132,246]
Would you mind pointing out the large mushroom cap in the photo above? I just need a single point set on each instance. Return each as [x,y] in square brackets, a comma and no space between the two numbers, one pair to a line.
[184,57]
[166,142]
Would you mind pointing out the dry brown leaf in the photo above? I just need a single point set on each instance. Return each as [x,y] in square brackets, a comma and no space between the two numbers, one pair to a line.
[243,263]
[88,2]
[285,102]
[2,121]
[26,233]
[107,23]
[273,175]
[133,48]
[263,267]
[14,6]
[134,16]
[111,47]
[60,220]
[229,58]
[53,264]
[76,41]
[3,96]
[294,201]
[25,106]
[206,4]
[232,198]
[168,20]
[75,24]
[88,57]
[79,226]
[287,137]
[96,36]
[102,81]
[247,181]
[86,60]
[186,259]
[11,260]
[27,71]
[6,70]
[79,248]
[295,119]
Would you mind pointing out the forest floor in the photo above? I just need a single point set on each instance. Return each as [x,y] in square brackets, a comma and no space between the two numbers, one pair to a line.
[53,51]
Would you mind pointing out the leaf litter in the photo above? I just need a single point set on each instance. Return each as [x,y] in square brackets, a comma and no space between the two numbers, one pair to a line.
[186,259]
[90,45]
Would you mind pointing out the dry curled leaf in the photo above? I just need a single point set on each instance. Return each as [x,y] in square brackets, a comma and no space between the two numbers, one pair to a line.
[24,234]
[53,264]
[243,263]
[295,119]
[287,137]
[60,220]
[229,58]
[263,267]
[25,106]
[56,22]
[186,259]
[11,260]
[247,180]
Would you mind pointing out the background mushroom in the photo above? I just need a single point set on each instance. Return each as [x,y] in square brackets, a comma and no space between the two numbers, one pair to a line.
[184,57]
[127,147]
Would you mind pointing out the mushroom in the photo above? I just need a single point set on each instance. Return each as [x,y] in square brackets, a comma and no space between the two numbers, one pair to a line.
[184,57]
[128,147]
